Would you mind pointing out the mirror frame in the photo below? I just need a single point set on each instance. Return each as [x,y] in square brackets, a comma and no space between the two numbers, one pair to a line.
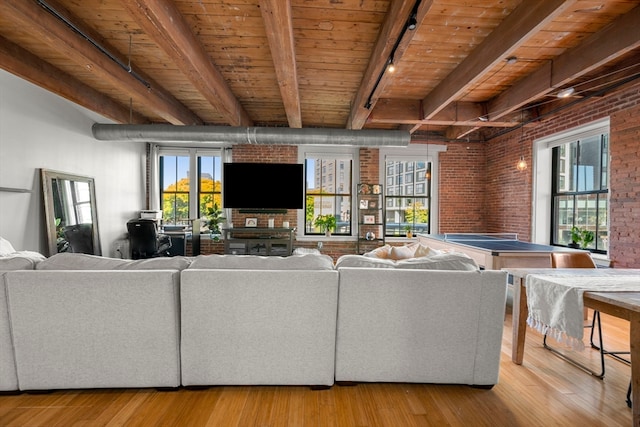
[48,177]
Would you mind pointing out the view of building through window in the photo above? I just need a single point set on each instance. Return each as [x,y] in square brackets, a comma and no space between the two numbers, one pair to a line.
[580,190]
[328,192]
[407,197]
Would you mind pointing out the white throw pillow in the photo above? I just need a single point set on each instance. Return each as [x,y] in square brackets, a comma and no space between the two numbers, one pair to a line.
[6,247]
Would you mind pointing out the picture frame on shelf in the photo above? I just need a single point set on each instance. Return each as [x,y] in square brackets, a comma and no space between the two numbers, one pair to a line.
[375,189]
[364,189]
[369,219]
[373,204]
[251,222]
[364,204]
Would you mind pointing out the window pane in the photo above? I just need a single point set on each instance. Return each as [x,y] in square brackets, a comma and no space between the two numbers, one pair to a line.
[563,218]
[602,236]
[588,169]
[604,164]
[210,190]
[174,188]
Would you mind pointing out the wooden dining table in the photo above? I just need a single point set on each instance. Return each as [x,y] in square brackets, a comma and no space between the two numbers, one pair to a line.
[624,305]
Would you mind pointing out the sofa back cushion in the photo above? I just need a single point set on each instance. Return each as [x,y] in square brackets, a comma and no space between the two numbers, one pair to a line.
[438,261]
[16,263]
[72,261]
[253,262]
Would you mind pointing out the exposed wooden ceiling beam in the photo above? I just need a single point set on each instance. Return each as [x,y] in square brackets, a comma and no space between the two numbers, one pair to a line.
[611,42]
[276,15]
[61,38]
[24,64]
[161,20]
[518,27]
[409,112]
[394,23]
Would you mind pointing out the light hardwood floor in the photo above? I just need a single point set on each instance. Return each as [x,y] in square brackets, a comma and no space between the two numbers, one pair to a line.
[544,391]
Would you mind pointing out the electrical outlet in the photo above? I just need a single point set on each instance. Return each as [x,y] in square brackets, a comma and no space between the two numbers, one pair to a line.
[319,245]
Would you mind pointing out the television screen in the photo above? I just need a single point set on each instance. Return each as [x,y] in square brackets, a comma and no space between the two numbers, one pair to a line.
[263,186]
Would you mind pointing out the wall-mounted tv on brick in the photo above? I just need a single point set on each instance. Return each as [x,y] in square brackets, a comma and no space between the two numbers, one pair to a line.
[263,186]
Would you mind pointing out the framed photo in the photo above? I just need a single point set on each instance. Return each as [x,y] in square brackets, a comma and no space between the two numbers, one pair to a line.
[364,204]
[373,204]
[364,189]
[369,219]
[251,222]
[376,189]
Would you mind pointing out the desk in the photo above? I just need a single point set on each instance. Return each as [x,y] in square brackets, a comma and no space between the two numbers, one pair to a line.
[494,251]
[625,305]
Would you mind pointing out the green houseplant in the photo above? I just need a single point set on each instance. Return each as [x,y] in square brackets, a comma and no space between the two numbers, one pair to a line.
[215,216]
[407,231]
[326,223]
[581,237]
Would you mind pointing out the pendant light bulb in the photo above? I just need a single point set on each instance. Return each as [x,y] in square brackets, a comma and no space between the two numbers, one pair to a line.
[522,164]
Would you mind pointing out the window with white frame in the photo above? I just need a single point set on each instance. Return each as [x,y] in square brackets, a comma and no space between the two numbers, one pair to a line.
[189,181]
[328,188]
[570,185]
[410,175]
[407,198]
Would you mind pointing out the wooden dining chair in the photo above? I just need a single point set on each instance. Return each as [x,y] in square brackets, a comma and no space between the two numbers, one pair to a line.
[584,260]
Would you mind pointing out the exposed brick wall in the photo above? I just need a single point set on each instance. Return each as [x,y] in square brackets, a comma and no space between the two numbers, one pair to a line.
[369,166]
[624,237]
[462,191]
[265,154]
[508,190]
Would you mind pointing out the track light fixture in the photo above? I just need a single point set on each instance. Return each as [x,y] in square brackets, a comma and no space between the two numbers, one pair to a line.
[413,22]
[565,93]
[391,67]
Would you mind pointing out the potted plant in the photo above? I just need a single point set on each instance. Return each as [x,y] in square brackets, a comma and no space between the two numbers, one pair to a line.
[214,218]
[581,237]
[326,223]
[408,232]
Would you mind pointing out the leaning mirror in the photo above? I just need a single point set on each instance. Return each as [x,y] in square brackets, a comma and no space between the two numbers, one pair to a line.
[70,213]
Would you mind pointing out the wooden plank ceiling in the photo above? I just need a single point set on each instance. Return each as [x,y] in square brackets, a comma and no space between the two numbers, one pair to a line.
[466,68]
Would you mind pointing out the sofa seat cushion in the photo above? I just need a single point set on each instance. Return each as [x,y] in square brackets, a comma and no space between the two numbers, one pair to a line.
[72,261]
[253,262]
[438,261]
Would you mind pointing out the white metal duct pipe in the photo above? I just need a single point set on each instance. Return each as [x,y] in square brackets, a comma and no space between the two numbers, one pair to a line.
[251,135]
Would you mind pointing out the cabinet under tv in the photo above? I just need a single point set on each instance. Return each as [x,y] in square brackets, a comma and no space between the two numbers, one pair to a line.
[258,241]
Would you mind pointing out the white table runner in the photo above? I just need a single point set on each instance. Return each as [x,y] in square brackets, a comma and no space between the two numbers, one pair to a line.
[555,300]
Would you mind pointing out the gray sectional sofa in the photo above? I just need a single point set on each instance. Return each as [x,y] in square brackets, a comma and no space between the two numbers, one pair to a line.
[80,321]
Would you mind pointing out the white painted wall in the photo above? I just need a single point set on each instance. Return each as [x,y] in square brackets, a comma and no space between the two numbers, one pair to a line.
[41,130]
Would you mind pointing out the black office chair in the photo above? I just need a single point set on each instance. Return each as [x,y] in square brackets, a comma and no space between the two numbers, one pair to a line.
[80,238]
[145,240]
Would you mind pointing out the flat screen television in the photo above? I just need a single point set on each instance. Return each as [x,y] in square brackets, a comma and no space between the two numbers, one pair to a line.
[263,186]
